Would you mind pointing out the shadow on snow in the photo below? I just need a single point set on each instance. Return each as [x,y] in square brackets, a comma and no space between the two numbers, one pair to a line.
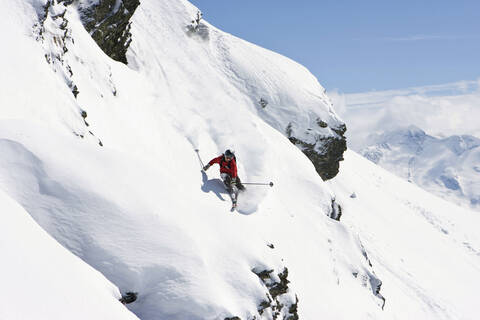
[214,185]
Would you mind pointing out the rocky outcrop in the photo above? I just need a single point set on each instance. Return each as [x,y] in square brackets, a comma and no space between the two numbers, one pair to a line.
[52,30]
[128,297]
[325,152]
[336,212]
[279,303]
[108,22]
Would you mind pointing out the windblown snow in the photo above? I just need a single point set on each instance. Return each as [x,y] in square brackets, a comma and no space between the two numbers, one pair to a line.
[102,156]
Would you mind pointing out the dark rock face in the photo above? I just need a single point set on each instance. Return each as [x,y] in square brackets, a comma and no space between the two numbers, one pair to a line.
[336,212]
[128,297]
[278,303]
[326,152]
[109,25]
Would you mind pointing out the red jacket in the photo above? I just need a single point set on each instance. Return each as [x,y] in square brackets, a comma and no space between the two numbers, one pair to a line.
[229,167]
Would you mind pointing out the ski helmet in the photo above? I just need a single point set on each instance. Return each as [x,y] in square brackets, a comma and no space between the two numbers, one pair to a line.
[228,154]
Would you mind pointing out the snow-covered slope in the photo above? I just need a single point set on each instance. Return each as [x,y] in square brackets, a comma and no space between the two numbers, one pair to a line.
[41,279]
[102,156]
[425,249]
[138,209]
[448,167]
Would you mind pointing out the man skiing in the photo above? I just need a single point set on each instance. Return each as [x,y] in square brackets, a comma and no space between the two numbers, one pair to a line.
[228,173]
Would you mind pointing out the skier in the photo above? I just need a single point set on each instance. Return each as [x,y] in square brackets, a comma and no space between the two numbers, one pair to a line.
[228,173]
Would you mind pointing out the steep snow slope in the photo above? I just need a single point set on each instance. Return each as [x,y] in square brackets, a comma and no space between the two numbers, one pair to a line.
[425,249]
[140,211]
[42,280]
[448,167]
[187,259]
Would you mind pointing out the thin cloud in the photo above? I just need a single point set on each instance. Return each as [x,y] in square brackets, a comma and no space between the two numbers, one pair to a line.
[440,110]
[373,98]
[423,37]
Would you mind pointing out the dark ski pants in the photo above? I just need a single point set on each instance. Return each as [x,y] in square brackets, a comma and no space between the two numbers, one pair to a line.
[227,180]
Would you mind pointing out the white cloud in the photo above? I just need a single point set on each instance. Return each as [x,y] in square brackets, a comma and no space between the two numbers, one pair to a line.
[440,110]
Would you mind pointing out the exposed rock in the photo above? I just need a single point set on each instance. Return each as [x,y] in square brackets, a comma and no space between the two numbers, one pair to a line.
[108,22]
[75,91]
[197,29]
[83,113]
[53,32]
[278,288]
[293,310]
[263,275]
[263,103]
[336,211]
[195,23]
[326,152]
[279,302]
[128,297]
[321,123]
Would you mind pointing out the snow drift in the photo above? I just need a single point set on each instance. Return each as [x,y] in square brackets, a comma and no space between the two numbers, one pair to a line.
[41,279]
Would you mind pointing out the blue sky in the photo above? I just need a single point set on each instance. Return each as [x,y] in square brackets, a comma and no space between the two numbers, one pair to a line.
[356,46]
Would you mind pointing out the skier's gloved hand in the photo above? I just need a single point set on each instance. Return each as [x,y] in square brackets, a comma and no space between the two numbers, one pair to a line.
[206,167]
[233,181]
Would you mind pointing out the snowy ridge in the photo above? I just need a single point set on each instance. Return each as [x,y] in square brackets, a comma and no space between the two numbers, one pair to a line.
[137,208]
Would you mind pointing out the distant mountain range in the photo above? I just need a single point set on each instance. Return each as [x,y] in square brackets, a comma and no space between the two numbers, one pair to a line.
[448,167]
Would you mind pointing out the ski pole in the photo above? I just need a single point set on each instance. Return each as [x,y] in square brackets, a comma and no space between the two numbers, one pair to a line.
[198,155]
[259,184]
